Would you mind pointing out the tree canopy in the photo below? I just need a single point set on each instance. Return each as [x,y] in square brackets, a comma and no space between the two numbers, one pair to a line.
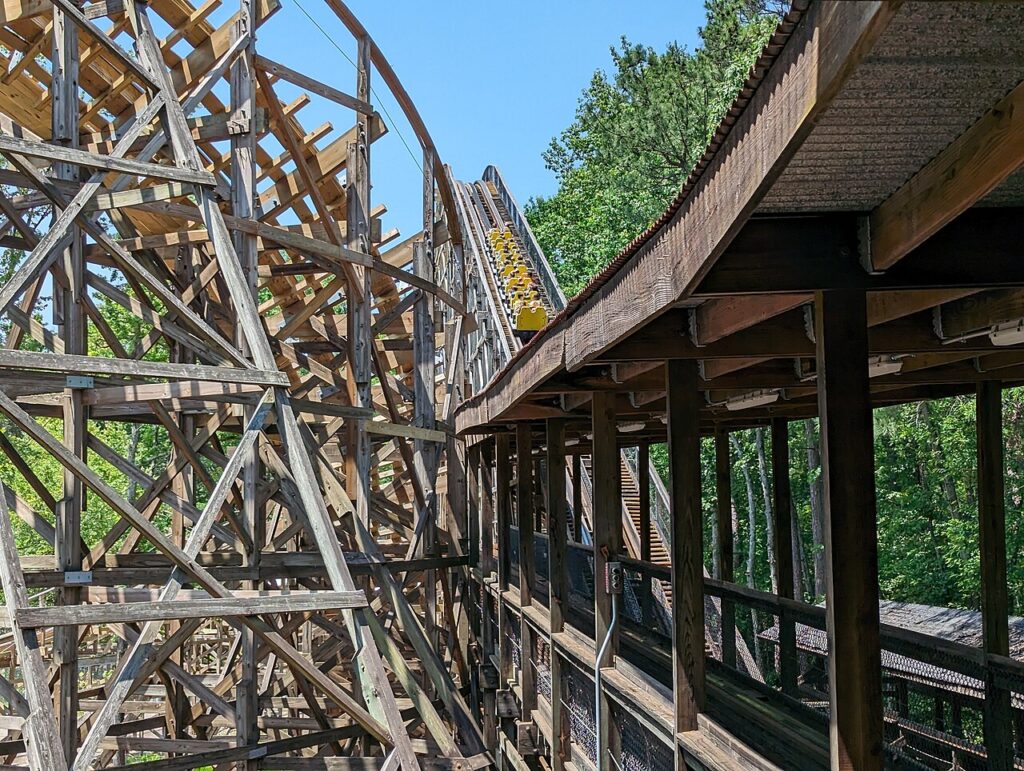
[639,130]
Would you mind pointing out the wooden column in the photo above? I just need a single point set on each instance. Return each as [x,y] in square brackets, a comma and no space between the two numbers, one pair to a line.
[524,511]
[577,497]
[486,505]
[998,718]
[643,481]
[503,514]
[243,195]
[558,585]
[607,524]
[474,499]
[527,567]
[851,546]
[67,542]
[723,514]
[783,546]
[683,402]
[503,506]
[487,566]
[474,511]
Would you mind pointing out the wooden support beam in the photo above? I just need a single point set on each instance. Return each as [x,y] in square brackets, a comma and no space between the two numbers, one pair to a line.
[43,745]
[683,401]
[643,482]
[59,154]
[643,479]
[577,498]
[607,538]
[525,509]
[726,536]
[215,607]
[997,713]
[97,365]
[782,503]
[68,548]
[973,165]
[503,506]
[558,587]
[314,86]
[851,545]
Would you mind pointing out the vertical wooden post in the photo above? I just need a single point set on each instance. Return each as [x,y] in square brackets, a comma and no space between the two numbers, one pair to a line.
[42,737]
[723,513]
[486,504]
[243,194]
[425,454]
[503,513]
[527,567]
[607,524]
[558,585]
[502,506]
[474,511]
[577,497]
[539,498]
[524,510]
[992,545]
[475,501]
[487,565]
[683,402]
[67,544]
[783,546]
[643,481]
[851,545]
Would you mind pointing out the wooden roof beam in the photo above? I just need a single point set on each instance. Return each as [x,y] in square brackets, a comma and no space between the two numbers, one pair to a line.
[786,337]
[961,175]
[791,255]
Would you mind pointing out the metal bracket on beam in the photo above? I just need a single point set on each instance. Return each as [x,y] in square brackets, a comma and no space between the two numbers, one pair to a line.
[237,127]
[79,381]
[691,315]
[809,322]
[864,246]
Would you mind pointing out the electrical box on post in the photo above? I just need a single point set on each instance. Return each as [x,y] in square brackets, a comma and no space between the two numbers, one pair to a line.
[613,578]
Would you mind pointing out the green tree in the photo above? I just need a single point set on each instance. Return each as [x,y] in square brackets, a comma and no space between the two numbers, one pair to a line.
[637,134]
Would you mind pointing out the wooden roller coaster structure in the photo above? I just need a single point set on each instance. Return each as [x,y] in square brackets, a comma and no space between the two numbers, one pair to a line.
[287,592]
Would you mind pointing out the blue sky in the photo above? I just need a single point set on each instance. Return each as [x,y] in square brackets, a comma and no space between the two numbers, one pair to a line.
[493,81]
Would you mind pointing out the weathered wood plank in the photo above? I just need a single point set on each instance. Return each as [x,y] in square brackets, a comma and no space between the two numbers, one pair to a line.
[59,154]
[973,165]
[782,501]
[167,610]
[96,365]
[851,547]
[683,402]
[997,714]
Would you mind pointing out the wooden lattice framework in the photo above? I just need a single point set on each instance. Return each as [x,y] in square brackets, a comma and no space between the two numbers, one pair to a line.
[302,604]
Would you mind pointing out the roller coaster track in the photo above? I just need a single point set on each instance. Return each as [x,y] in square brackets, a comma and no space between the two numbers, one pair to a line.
[486,206]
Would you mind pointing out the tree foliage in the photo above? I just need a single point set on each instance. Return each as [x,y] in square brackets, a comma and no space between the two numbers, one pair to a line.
[638,132]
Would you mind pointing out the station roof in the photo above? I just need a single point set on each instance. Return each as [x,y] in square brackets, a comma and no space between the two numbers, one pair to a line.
[875,145]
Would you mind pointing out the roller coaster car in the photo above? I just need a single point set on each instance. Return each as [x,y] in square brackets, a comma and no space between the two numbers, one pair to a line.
[511,267]
[530,319]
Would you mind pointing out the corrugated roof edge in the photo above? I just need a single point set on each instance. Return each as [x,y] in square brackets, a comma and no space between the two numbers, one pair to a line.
[757,72]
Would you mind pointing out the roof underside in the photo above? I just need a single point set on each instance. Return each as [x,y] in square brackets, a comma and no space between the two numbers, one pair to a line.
[935,71]
[833,123]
